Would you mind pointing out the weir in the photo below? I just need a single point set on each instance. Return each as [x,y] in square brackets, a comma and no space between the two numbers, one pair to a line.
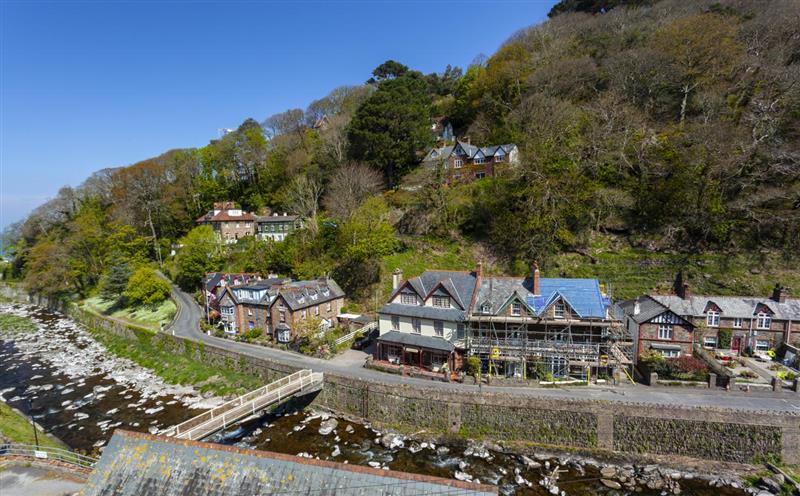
[299,383]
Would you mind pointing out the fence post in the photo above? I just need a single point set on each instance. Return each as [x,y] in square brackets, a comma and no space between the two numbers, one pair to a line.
[712,380]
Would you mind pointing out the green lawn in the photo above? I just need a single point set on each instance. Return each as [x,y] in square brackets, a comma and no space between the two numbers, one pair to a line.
[19,429]
[148,317]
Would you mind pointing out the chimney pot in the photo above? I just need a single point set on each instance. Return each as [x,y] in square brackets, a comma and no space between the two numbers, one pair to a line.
[479,270]
[536,290]
[636,307]
[779,293]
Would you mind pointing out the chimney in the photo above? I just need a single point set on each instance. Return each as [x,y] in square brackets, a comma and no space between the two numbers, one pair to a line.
[535,289]
[397,278]
[469,140]
[636,307]
[779,293]
[479,270]
[684,291]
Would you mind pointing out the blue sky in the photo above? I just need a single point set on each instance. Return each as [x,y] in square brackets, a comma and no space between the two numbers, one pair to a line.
[89,84]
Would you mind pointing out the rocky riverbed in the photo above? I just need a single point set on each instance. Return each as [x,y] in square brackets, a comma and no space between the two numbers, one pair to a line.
[80,392]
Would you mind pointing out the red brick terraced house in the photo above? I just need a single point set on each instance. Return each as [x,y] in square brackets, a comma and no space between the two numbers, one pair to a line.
[756,323]
[278,305]
[464,162]
[229,223]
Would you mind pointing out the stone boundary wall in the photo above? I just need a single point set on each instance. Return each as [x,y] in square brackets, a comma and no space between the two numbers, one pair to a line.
[632,428]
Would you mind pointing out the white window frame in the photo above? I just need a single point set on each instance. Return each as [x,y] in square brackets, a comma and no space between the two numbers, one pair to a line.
[480,160]
[461,331]
[670,353]
[416,326]
[712,318]
[763,321]
[762,345]
[408,299]
[438,328]
[457,163]
[328,307]
[666,332]
[710,342]
[441,301]
[499,158]
[559,310]
[516,309]
[395,323]
[486,309]
[737,322]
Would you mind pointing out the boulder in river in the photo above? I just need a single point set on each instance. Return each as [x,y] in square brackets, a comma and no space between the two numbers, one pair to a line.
[327,426]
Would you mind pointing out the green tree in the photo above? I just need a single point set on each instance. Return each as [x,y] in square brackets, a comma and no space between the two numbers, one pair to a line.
[145,287]
[199,254]
[368,233]
[392,125]
[115,282]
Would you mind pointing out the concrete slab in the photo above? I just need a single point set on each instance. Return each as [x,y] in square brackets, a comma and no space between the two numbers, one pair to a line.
[23,480]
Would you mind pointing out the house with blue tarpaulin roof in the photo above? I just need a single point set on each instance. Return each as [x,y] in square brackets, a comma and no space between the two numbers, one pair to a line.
[514,324]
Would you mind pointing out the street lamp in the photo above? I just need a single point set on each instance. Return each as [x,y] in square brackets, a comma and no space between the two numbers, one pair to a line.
[33,424]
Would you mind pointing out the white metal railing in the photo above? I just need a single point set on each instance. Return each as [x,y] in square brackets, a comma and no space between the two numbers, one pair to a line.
[248,404]
[347,337]
[45,453]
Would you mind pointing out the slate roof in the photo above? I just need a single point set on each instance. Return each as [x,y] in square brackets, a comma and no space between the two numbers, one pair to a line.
[299,294]
[266,219]
[582,295]
[417,340]
[648,309]
[730,306]
[444,152]
[214,279]
[461,285]
[138,464]
[423,312]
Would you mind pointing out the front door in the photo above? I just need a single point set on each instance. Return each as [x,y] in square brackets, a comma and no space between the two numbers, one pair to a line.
[736,343]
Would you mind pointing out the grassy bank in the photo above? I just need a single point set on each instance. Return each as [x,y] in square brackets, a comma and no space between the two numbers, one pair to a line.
[149,317]
[18,429]
[16,323]
[177,368]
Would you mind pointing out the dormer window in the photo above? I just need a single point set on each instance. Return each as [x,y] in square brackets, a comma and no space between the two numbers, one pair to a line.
[408,299]
[479,160]
[559,310]
[763,321]
[499,157]
[712,318]
[516,309]
[486,308]
[441,301]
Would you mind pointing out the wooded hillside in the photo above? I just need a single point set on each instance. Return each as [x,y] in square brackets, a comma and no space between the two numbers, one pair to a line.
[669,126]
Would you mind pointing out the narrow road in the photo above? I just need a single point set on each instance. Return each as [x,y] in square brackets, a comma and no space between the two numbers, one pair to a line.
[186,324]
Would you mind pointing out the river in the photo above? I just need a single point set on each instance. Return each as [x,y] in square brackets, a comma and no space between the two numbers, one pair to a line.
[72,386]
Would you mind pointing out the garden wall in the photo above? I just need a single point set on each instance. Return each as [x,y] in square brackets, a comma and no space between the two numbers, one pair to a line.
[717,434]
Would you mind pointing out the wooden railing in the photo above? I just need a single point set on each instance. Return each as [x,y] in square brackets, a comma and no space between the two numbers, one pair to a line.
[220,417]
[347,337]
[45,453]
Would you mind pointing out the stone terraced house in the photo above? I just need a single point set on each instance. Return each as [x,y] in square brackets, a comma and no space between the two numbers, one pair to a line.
[671,324]
[278,305]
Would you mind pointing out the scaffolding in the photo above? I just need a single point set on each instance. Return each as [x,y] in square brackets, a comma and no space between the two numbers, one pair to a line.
[520,346]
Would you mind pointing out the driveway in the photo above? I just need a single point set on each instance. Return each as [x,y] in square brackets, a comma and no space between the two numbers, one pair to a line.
[349,364]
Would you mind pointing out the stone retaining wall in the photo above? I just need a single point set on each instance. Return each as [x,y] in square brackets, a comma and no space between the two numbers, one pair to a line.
[717,434]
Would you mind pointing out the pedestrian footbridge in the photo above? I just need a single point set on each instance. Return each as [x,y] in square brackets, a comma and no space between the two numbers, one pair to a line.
[205,424]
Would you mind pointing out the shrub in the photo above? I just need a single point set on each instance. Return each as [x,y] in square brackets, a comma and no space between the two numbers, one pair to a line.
[252,334]
[472,366]
[146,288]
[786,375]
[724,338]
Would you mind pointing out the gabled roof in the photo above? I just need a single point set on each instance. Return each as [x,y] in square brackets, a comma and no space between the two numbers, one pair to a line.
[732,306]
[418,340]
[266,219]
[444,152]
[648,309]
[304,294]
[460,285]
[582,295]
[215,279]
[225,216]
